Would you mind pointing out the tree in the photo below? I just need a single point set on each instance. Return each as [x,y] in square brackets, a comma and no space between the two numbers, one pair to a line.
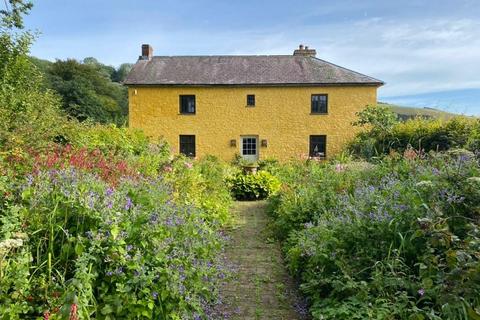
[121,73]
[380,119]
[29,114]
[87,90]
[12,15]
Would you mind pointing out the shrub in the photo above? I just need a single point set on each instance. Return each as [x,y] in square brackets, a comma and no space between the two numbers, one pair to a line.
[142,247]
[396,241]
[108,138]
[256,186]
[383,135]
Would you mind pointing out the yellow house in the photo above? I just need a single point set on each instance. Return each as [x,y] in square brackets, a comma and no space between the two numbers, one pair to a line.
[281,106]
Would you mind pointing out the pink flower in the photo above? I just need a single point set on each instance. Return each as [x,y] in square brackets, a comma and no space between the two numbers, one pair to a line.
[188,165]
[168,169]
[339,167]
[73,312]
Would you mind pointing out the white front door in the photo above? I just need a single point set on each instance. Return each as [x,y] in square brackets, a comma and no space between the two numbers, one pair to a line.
[249,148]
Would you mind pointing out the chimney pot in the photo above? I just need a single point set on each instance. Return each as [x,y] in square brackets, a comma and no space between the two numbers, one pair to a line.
[305,51]
[147,52]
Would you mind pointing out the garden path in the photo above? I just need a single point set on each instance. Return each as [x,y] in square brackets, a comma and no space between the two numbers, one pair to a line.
[259,287]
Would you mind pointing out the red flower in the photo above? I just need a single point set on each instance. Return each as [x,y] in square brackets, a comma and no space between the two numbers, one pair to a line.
[73,312]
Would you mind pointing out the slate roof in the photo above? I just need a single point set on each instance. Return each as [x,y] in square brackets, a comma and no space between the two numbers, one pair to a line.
[243,70]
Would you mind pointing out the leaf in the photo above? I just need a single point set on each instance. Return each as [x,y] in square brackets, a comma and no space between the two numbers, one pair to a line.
[114,232]
[107,310]
[473,314]
[164,295]
[79,248]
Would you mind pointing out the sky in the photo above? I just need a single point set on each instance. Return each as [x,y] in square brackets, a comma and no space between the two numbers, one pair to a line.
[427,51]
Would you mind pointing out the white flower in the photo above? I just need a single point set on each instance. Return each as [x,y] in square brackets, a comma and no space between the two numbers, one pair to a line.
[424,184]
[8,244]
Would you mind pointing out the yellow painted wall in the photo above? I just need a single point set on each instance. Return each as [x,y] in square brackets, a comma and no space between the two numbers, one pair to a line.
[281,116]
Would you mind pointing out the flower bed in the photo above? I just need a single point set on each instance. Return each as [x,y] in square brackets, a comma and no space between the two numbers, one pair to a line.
[89,239]
[395,240]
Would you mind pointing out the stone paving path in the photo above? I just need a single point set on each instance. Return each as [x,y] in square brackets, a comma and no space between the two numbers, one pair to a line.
[260,287]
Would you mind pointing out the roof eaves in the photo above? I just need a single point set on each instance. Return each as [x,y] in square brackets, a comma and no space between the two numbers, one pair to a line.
[305,84]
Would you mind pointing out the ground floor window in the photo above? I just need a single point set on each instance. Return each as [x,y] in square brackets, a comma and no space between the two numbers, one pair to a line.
[249,146]
[318,146]
[187,145]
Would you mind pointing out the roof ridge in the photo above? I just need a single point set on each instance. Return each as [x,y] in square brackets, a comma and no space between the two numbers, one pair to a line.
[228,55]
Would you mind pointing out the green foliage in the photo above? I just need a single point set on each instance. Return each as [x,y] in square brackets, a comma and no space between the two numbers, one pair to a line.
[121,73]
[256,186]
[380,119]
[145,247]
[29,114]
[398,240]
[384,135]
[12,16]
[97,222]
[87,90]
[108,138]
[268,164]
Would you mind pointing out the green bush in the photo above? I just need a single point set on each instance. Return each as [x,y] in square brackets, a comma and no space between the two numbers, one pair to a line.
[144,247]
[384,135]
[256,186]
[397,240]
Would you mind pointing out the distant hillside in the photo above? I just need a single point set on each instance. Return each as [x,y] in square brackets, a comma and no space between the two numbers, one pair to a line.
[405,113]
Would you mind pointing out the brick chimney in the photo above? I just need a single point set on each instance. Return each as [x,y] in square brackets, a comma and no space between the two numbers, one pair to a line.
[305,51]
[147,52]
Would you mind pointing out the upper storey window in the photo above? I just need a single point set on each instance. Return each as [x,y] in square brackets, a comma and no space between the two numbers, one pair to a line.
[251,100]
[187,104]
[319,103]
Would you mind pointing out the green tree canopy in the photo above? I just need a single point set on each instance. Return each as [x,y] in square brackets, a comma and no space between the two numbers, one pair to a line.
[29,114]
[87,90]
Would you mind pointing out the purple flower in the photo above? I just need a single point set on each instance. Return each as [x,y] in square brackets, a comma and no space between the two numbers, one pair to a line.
[169,222]
[154,294]
[452,198]
[129,204]
[29,180]
[129,247]
[421,292]
[109,273]
[109,192]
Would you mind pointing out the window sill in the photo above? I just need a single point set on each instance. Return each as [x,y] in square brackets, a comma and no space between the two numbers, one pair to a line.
[247,106]
[317,158]
[187,114]
[318,114]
